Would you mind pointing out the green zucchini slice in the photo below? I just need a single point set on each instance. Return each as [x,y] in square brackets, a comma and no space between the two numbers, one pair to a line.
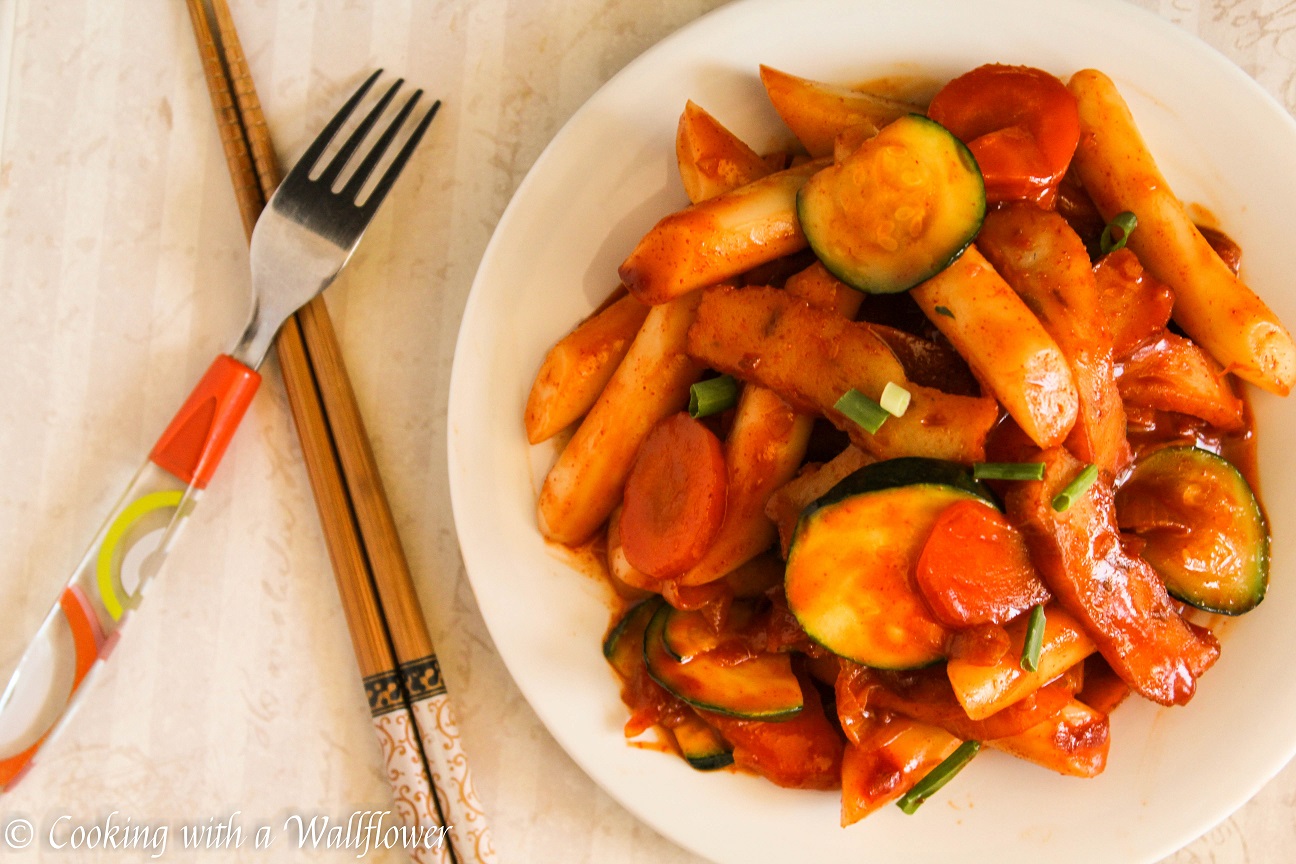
[896,211]
[1201,526]
[702,746]
[761,686]
[623,645]
[904,471]
[849,577]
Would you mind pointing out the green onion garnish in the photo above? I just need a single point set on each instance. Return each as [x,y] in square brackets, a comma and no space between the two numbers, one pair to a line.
[938,777]
[894,399]
[1008,470]
[712,396]
[1076,488]
[1034,639]
[862,410]
[1111,240]
[944,310]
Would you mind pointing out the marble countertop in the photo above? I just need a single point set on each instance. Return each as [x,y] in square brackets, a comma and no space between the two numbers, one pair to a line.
[235,693]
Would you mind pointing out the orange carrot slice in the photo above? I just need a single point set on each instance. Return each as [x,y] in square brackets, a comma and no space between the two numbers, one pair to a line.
[975,568]
[674,497]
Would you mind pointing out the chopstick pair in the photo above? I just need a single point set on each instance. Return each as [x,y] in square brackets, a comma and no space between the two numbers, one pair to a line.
[411,712]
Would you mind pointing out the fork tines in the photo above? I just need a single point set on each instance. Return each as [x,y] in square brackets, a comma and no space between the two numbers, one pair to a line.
[355,184]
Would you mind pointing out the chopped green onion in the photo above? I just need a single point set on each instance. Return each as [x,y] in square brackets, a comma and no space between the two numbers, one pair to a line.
[862,410]
[1034,639]
[938,777]
[1123,223]
[894,399]
[944,310]
[712,396]
[1008,471]
[1076,488]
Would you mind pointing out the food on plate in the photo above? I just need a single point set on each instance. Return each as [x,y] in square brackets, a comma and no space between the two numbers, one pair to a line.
[1120,600]
[1004,343]
[1045,262]
[975,568]
[674,499]
[1200,526]
[921,437]
[849,569]
[897,209]
[1213,306]
[696,663]
[819,113]
[1020,124]
[576,370]
[712,159]
[811,356]
[719,238]
[650,383]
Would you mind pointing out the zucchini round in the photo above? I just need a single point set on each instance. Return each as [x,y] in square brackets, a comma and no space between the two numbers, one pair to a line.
[898,210]
[623,645]
[904,471]
[850,568]
[1203,530]
[759,687]
[700,745]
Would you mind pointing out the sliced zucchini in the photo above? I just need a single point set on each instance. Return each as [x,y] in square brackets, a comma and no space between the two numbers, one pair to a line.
[758,687]
[699,744]
[623,645]
[904,471]
[702,746]
[899,209]
[1202,527]
[849,577]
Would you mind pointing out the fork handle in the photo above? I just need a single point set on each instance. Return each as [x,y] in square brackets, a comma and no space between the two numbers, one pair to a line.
[83,624]
[194,442]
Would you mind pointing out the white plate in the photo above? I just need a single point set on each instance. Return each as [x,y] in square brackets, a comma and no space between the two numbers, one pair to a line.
[610,174]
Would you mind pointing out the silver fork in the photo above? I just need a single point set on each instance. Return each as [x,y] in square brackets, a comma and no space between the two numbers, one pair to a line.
[302,240]
[307,232]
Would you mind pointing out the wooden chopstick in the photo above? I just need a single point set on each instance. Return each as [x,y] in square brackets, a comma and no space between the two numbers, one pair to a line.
[393,649]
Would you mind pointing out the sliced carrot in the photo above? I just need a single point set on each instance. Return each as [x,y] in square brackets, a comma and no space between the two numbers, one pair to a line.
[975,568]
[674,497]
[1020,123]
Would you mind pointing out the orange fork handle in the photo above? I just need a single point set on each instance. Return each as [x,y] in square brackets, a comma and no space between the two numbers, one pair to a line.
[194,442]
